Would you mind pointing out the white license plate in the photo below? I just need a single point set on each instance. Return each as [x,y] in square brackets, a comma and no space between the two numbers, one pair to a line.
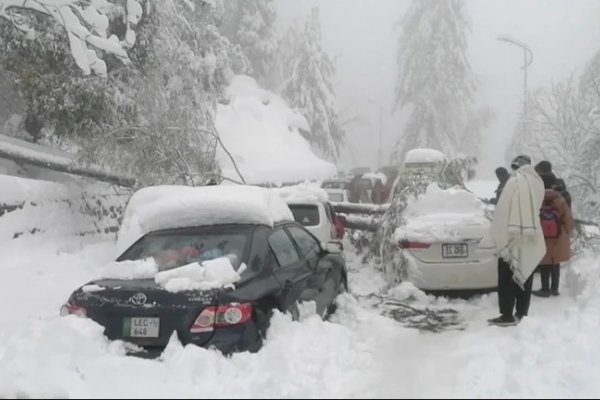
[142,327]
[460,250]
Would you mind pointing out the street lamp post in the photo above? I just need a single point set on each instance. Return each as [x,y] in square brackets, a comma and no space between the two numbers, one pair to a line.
[380,130]
[527,60]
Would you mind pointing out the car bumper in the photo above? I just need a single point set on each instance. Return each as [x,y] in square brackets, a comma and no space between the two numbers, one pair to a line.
[481,275]
[226,340]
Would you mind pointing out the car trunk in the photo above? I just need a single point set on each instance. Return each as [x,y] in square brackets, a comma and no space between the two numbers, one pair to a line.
[447,252]
[142,313]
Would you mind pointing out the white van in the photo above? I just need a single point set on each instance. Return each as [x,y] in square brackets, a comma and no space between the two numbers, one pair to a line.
[316,216]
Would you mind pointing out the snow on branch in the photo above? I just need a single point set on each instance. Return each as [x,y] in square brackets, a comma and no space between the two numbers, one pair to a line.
[84,26]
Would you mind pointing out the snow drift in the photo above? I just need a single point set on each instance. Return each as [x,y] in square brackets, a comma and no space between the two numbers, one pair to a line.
[262,134]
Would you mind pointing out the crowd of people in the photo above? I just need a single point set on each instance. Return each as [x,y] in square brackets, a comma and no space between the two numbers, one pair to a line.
[531,230]
[364,190]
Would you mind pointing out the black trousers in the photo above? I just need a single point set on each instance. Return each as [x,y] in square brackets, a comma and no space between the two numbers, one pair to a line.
[510,293]
[550,273]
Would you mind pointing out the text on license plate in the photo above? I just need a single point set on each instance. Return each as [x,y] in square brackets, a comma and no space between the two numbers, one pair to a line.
[143,327]
[460,250]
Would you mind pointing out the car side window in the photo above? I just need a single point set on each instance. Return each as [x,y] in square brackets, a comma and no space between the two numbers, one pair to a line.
[309,246]
[283,248]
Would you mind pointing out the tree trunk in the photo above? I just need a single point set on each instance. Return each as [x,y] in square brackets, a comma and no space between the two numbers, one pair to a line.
[23,152]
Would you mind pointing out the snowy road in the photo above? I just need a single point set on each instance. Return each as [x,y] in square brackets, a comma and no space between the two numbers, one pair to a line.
[553,353]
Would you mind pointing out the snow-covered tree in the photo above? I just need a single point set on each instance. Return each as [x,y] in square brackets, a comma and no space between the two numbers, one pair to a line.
[563,127]
[435,82]
[250,25]
[174,97]
[151,118]
[85,24]
[310,88]
[288,47]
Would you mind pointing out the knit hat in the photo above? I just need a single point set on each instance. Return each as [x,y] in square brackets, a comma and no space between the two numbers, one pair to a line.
[519,161]
[502,174]
[549,180]
[543,167]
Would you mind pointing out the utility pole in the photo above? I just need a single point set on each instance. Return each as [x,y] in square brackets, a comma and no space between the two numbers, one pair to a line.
[380,150]
[527,60]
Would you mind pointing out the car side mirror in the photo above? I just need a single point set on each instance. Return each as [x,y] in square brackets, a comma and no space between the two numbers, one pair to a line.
[334,247]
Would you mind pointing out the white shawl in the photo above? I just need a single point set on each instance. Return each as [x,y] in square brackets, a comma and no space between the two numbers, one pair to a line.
[515,233]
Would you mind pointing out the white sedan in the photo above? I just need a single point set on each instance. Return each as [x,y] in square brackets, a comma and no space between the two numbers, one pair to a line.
[439,240]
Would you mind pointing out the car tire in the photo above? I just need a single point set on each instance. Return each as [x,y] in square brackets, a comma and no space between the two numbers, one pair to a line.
[294,310]
[342,288]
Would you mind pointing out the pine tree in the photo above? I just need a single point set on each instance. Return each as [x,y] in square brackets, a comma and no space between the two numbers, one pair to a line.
[435,81]
[249,24]
[310,88]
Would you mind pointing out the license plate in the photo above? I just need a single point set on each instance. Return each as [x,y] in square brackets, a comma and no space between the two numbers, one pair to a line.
[141,327]
[460,250]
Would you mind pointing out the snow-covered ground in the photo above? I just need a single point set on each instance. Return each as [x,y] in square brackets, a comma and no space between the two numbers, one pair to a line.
[553,353]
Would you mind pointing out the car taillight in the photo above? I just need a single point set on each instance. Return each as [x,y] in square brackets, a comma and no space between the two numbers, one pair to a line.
[221,317]
[70,309]
[406,244]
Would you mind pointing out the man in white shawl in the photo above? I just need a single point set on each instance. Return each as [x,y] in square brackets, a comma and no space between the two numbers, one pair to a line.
[517,238]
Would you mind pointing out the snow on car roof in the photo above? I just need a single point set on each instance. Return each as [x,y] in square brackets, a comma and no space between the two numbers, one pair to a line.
[302,193]
[165,207]
[424,156]
[452,214]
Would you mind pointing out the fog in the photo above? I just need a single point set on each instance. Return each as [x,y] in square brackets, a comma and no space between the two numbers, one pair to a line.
[362,36]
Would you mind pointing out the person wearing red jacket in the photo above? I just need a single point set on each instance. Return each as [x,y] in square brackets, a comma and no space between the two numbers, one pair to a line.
[558,247]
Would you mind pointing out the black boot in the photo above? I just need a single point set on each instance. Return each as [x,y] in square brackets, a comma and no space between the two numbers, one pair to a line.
[541,293]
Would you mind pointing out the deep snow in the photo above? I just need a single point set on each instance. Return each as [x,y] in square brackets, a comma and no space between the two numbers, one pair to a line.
[552,353]
[262,134]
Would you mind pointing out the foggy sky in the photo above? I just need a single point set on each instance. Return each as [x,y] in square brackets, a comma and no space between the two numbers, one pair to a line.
[361,34]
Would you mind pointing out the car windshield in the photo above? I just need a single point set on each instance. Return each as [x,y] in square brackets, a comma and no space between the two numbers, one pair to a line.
[364,184]
[333,185]
[337,197]
[177,248]
[305,214]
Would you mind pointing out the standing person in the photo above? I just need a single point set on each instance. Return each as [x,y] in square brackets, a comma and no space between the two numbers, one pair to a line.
[544,168]
[516,237]
[377,193]
[502,175]
[558,225]
[353,194]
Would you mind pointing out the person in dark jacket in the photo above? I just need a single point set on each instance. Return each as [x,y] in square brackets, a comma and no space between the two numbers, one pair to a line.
[558,248]
[502,174]
[561,188]
[544,168]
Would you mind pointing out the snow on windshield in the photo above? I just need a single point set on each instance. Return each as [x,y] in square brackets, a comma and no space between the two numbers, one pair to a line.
[211,274]
[205,275]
